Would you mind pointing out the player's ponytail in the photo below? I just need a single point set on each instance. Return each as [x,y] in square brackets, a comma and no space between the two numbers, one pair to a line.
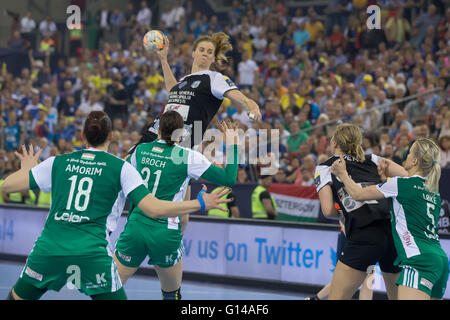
[222,45]
[428,155]
[97,128]
[348,138]
[170,127]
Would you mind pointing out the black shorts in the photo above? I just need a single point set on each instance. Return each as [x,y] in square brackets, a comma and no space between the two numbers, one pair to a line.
[368,245]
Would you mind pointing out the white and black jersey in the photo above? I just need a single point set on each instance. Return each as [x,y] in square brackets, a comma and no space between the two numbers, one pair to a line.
[357,213]
[197,98]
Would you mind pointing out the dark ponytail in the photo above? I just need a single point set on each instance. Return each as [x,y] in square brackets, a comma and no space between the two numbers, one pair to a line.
[97,128]
[168,123]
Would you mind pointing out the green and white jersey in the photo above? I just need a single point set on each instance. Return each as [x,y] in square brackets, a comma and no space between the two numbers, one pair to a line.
[84,186]
[414,216]
[166,171]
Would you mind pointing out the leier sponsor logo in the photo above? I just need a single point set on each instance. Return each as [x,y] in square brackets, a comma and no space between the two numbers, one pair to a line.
[70,217]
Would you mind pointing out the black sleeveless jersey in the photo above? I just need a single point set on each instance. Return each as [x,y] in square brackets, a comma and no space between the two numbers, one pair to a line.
[197,98]
[357,213]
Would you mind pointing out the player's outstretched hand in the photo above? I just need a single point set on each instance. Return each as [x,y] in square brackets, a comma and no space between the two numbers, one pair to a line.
[213,200]
[28,159]
[230,130]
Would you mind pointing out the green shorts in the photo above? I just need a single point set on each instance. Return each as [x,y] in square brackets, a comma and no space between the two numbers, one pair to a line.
[91,275]
[163,246]
[425,272]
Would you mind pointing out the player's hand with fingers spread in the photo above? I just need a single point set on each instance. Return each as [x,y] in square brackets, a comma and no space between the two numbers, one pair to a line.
[338,168]
[213,200]
[28,159]
[230,131]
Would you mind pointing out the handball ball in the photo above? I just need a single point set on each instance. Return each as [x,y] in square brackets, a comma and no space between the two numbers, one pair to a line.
[153,40]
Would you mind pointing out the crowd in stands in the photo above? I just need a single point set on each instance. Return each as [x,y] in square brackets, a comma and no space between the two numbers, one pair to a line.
[305,67]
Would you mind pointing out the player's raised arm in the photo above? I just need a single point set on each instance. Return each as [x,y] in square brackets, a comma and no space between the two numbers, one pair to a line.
[20,180]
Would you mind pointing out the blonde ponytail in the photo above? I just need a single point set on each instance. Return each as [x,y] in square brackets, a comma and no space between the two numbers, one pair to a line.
[428,154]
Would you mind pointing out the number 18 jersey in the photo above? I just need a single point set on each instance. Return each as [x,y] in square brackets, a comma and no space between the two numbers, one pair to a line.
[84,186]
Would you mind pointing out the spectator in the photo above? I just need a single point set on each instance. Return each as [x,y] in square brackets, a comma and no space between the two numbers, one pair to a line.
[47,44]
[44,146]
[296,138]
[34,105]
[372,117]
[116,100]
[91,104]
[177,14]
[128,21]
[397,28]
[116,20]
[444,143]
[248,71]
[28,28]
[144,16]
[418,109]
[403,147]
[18,42]
[48,26]
[102,18]
[42,126]
[307,178]
[337,37]
[292,100]
[263,204]
[12,132]
[280,177]
[144,95]
[428,19]
[388,153]
[314,26]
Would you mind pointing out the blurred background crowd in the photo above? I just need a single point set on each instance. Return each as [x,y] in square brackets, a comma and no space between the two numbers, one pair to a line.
[308,68]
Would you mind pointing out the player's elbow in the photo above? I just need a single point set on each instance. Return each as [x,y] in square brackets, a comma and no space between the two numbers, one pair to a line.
[151,208]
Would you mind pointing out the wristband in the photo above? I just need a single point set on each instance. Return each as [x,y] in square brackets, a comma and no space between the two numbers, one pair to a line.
[200,199]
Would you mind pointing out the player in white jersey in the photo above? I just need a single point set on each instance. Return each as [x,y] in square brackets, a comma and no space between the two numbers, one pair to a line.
[72,248]
[415,206]
[197,97]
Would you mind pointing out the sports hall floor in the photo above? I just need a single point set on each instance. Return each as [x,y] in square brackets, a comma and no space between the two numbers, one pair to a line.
[147,288]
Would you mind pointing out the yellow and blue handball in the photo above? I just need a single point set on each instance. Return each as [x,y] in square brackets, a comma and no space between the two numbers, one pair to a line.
[153,40]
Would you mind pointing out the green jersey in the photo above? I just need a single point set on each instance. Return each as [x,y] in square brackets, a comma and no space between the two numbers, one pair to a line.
[166,171]
[414,216]
[84,186]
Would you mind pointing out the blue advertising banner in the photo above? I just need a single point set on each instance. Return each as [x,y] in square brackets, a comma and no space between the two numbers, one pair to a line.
[301,253]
